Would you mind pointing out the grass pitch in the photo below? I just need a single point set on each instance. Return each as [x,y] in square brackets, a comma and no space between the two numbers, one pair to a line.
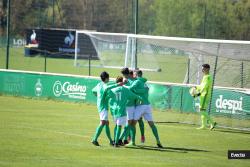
[50,133]
[168,64]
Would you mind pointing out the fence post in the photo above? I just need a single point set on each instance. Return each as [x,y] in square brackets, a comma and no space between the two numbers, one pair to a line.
[188,72]
[8,36]
[241,74]
[90,65]
[136,30]
[45,61]
[215,67]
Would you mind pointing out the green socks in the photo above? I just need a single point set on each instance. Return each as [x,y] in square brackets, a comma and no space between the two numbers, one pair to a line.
[108,133]
[132,133]
[141,125]
[204,118]
[98,132]
[155,132]
[125,132]
[118,133]
[115,131]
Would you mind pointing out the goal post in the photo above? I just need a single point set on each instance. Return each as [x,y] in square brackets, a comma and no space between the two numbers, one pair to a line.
[114,50]
[168,55]
[178,61]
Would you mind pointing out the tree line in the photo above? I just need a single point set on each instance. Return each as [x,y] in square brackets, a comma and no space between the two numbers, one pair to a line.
[214,19]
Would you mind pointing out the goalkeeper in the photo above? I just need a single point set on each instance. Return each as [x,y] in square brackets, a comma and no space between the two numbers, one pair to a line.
[204,91]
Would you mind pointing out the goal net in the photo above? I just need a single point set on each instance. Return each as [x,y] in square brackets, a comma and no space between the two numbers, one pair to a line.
[175,64]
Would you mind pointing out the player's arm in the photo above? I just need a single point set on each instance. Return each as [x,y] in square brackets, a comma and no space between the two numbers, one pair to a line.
[204,86]
[141,90]
[136,88]
[105,96]
[94,90]
[109,87]
[133,96]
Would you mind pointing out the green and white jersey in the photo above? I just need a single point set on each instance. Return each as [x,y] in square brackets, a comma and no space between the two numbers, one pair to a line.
[128,84]
[99,91]
[140,88]
[130,81]
[118,99]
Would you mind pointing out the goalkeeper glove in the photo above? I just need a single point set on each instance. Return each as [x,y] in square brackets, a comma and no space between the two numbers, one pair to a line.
[197,95]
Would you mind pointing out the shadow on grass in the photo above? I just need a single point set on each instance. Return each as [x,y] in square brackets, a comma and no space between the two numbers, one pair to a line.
[186,149]
[151,148]
[232,131]
[167,149]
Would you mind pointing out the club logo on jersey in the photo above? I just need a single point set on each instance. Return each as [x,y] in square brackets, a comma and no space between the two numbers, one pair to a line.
[38,88]
[75,91]
[229,106]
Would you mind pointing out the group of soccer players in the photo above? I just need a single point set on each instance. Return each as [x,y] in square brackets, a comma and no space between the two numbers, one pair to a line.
[127,101]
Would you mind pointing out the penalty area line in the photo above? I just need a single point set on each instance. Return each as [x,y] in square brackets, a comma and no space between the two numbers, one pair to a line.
[53,131]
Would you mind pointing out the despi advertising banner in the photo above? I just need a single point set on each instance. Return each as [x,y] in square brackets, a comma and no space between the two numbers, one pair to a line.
[231,102]
[225,102]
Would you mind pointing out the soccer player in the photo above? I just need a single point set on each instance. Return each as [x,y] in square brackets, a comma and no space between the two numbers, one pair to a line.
[130,108]
[204,91]
[144,109]
[118,98]
[140,121]
[129,79]
[102,106]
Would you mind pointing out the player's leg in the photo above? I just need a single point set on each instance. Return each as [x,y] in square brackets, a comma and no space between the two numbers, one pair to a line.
[203,119]
[132,134]
[155,133]
[125,133]
[141,126]
[120,121]
[115,130]
[127,130]
[208,117]
[136,115]
[209,120]
[203,113]
[117,134]
[148,116]
[98,132]
[103,118]
[107,129]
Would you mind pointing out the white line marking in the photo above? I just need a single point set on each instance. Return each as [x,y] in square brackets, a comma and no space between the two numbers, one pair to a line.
[53,131]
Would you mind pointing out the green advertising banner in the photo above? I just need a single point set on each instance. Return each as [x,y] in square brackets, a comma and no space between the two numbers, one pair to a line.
[225,102]
[48,86]
[230,102]
[171,97]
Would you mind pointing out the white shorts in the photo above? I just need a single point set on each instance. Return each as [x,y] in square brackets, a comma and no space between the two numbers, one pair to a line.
[130,112]
[120,120]
[103,115]
[144,111]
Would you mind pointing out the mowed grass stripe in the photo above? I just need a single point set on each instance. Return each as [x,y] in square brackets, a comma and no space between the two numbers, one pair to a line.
[51,133]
